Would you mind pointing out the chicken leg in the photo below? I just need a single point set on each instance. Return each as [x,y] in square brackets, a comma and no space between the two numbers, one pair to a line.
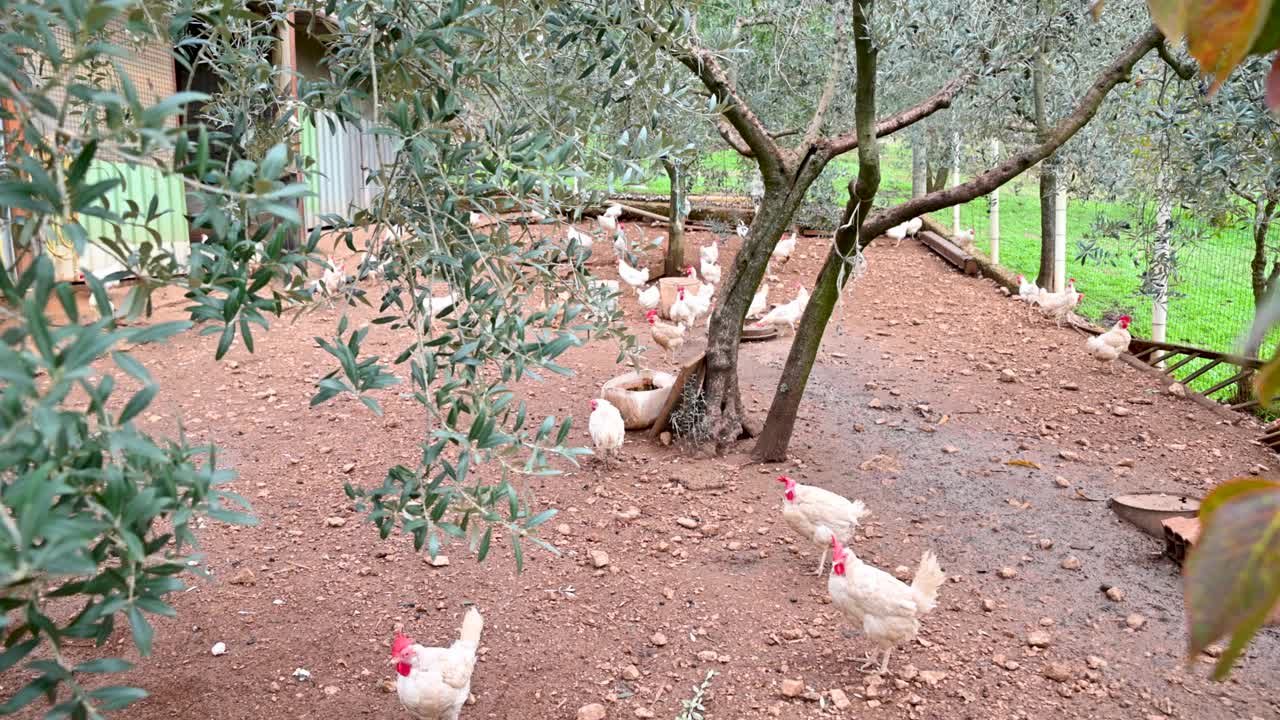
[822,562]
[870,662]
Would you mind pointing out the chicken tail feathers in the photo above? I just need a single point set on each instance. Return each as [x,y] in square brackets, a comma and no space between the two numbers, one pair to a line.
[929,577]
[857,511]
[472,624]
[1094,343]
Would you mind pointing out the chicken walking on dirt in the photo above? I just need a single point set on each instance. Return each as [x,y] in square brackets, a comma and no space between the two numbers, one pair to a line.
[607,429]
[434,683]
[668,337]
[1108,346]
[888,609]
[819,515]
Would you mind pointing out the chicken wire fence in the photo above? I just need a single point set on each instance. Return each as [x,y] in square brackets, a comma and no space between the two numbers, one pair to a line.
[1115,255]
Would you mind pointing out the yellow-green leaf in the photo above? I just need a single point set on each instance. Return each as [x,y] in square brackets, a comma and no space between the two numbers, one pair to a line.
[1267,382]
[1230,489]
[1233,573]
[1221,32]
[1170,16]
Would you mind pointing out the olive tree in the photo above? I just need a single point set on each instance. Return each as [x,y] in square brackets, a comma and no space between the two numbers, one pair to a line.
[96,511]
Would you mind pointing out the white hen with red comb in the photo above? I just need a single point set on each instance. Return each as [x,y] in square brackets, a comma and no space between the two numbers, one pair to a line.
[606,427]
[434,683]
[887,609]
[819,515]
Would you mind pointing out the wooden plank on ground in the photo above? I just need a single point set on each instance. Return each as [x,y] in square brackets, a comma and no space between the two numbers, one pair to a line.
[948,251]
[690,372]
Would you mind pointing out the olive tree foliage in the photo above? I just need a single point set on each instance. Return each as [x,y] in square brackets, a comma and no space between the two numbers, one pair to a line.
[1228,151]
[98,514]
[793,128]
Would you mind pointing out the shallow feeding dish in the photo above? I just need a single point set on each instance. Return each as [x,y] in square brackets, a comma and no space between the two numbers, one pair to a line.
[1149,510]
[752,333]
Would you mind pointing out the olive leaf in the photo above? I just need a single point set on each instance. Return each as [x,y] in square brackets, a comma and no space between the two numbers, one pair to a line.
[1233,573]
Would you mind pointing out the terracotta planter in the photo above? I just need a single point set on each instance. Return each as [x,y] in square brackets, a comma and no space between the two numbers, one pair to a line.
[639,408]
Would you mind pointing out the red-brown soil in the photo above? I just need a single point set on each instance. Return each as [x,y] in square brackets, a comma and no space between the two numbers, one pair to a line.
[734,595]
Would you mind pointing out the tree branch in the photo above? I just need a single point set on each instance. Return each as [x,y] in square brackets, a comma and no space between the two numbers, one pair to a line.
[704,64]
[938,101]
[732,137]
[829,88]
[1184,70]
[1115,73]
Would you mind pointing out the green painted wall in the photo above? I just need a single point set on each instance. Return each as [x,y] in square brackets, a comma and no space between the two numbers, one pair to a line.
[310,149]
[140,185]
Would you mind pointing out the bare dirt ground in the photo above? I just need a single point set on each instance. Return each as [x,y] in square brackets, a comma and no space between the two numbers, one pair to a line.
[906,410]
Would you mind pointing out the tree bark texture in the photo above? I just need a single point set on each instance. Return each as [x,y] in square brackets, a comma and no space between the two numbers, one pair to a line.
[1048,223]
[673,262]
[919,165]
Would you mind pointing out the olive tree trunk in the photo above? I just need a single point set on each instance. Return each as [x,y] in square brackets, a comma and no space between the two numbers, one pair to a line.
[1263,280]
[673,262]
[776,436]
[1048,224]
[720,381]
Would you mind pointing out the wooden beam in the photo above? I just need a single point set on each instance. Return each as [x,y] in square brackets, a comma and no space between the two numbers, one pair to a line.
[949,251]
[1229,381]
[1169,370]
[1202,370]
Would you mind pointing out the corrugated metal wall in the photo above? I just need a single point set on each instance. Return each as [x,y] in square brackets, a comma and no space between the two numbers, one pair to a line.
[341,183]
[141,184]
[150,69]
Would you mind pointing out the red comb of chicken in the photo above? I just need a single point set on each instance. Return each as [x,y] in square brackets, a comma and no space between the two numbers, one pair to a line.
[399,644]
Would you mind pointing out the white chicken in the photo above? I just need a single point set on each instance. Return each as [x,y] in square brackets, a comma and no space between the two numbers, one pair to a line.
[434,683]
[964,237]
[743,230]
[1027,290]
[606,427]
[681,312]
[896,233]
[888,609]
[914,225]
[1058,304]
[584,240]
[608,220]
[782,251]
[1109,345]
[668,337]
[649,297]
[709,252]
[787,314]
[819,515]
[93,299]
[631,276]
[710,271]
[620,247]
[759,302]
[333,277]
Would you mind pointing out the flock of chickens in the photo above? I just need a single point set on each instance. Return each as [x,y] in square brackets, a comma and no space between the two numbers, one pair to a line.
[434,683]
[1105,347]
